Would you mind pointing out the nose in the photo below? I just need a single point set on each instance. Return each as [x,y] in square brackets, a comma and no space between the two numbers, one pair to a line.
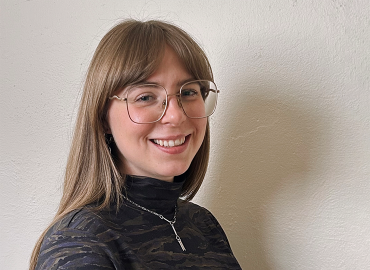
[174,114]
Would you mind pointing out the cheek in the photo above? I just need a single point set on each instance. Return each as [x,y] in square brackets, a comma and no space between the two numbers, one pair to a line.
[117,118]
[130,139]
[201,126]
[118,125]
[127,134]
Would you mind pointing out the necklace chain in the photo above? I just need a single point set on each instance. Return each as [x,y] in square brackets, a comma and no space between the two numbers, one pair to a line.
[171,222]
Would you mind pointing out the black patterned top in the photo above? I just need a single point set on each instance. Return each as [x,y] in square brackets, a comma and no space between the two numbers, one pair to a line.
[133,238]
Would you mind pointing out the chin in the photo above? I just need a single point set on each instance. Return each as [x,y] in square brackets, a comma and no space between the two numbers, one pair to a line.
[174,170]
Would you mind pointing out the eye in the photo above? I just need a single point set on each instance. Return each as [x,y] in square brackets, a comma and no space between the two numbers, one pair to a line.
[145,98]
[189,93]
[146,95]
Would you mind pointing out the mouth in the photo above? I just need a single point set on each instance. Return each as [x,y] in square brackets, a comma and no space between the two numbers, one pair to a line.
[170,143]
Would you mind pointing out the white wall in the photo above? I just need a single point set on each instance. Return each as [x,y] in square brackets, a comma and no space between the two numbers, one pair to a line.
[289,173]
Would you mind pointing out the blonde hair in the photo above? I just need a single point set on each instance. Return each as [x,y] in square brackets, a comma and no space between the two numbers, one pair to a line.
[129,53]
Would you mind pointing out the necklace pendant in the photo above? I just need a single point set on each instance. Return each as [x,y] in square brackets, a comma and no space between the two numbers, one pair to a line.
[162,217]
[180,242]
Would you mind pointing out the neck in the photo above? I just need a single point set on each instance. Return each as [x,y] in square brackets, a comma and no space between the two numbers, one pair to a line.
[154,194]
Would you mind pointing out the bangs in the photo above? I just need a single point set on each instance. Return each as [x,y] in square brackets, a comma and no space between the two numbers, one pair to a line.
[140,53]
[132,51]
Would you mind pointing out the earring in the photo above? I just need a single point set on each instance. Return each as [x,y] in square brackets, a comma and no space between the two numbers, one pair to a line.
[109,140]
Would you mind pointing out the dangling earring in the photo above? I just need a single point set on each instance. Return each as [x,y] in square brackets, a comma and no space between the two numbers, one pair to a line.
[109,140]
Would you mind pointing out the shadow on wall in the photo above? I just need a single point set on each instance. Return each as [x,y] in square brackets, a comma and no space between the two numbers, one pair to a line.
[266,144]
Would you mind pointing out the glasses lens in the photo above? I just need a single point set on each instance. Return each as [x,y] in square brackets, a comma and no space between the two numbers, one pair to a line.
[199,98]
[146,103]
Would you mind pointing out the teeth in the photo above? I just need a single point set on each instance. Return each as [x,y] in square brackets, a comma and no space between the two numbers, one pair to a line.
[170,143]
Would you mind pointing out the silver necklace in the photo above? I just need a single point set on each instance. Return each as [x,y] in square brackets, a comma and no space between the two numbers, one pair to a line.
[162,217]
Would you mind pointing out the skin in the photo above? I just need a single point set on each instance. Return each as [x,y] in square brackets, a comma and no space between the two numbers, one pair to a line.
[139,154]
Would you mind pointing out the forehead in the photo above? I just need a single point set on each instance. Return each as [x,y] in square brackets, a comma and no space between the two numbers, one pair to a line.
[171,69]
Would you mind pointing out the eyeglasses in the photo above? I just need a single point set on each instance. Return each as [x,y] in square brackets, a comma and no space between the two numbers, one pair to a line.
[147,103]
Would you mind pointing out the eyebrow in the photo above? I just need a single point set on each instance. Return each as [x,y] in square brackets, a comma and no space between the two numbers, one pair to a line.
[180,83]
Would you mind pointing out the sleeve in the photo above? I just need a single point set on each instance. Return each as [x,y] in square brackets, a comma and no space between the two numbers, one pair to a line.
[74,249]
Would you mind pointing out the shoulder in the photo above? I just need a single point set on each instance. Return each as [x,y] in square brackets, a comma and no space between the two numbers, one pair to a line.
[84,219]
[80,235]
[200,215]
[193,209]
[79,225]
[206,223]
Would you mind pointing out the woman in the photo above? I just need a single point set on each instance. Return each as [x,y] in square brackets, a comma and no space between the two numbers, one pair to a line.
[141,142]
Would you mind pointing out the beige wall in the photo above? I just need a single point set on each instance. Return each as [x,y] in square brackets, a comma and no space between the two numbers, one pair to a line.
[289,173]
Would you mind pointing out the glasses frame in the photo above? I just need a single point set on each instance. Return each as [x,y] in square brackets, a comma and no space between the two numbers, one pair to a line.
[165,103]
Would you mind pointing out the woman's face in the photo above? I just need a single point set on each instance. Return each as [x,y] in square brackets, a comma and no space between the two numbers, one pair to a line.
[139,152]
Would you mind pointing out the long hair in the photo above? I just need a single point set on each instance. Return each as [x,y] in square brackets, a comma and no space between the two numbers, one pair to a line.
[129,53]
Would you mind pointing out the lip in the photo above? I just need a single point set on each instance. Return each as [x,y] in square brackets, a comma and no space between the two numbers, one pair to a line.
[175,149]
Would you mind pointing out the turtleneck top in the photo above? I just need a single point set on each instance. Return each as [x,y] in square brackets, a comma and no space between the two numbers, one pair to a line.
[132,238]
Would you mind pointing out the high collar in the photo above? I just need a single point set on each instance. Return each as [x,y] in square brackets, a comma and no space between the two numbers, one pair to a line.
[156,195]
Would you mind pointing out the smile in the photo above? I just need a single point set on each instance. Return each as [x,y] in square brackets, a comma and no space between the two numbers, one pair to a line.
[170,143]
